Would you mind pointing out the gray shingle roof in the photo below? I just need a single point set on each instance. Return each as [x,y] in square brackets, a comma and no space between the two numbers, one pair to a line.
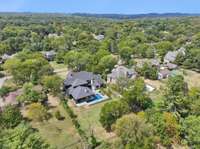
[171,56]
[84,76]
[121,71]
[81,92]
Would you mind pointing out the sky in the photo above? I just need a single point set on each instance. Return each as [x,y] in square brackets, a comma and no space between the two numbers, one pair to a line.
[101,6]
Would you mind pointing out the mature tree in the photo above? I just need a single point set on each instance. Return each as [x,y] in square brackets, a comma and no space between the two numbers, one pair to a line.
[136,97]
[10,117]
[37,112]
[175,95]
[163,47]
[111,111]
[191,131]
[106,64]
[123,83]
[28,67]
[166,126]
[134,132]
[78,60]
[149,71]
[52,84]
[125,53]
[31,94]
[22,136]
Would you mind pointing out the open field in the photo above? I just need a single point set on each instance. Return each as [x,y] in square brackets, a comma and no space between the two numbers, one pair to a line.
[60,134]
[88,117]
[192,78]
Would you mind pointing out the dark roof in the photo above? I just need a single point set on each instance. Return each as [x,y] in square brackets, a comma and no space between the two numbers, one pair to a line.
[81,77]
[81,92]
[165,72]
[78,82]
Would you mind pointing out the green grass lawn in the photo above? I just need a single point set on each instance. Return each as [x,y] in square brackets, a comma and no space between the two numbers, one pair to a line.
[88,118]
[57,66]
[59,134]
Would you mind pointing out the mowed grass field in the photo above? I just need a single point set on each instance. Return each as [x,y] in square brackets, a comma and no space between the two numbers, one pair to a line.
[88,117]
[59,134]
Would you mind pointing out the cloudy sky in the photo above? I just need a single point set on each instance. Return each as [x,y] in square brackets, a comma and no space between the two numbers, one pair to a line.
[101,6]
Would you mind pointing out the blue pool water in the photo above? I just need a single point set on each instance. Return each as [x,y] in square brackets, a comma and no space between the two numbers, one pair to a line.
[97,97]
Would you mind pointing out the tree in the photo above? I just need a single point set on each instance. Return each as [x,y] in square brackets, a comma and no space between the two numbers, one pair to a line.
[191,131]
[28,67]
[134,132]
[78,61]
[31,94]
[125,53]
[163,47]
[10,117]
[52,84]
[37,112]
[106,64]
[149,71]
[136,97]
[110,112]
[22,136]
[176,95]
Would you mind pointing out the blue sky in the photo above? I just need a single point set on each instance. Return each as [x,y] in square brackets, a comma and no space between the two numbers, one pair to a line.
[101,6]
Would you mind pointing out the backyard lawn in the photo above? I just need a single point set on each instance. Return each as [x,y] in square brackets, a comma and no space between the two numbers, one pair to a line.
[88,117]
[60,134]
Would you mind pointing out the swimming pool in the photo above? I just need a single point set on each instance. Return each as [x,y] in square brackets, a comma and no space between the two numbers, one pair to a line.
[98,97]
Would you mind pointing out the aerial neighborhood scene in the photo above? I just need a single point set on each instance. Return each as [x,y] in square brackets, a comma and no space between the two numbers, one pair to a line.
[99,74]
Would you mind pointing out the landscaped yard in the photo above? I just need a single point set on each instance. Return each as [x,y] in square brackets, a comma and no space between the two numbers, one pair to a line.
[60,134]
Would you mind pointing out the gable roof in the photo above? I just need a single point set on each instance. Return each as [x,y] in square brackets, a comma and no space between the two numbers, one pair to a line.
[164,72]
[121,71]
[84,76]
[78,82]
[81,92]
[171,56]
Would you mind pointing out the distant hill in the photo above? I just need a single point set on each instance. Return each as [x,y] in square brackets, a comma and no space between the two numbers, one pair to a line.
[105,16]
[135,16]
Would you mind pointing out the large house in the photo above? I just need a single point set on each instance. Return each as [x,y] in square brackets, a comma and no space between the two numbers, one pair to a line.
[120,72]
[81,86]
[170,57]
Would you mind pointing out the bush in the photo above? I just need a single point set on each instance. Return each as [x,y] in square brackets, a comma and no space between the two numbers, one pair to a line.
[4,91]
[58,115]
[37,112]
[10,117]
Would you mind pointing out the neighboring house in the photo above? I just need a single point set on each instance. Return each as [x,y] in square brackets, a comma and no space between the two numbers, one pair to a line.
[155,62]
[164,73]
[171,66]
[81,86]
[170,57]
[99,37]
[10,99]
[120,72]
[49,55]
[4,57]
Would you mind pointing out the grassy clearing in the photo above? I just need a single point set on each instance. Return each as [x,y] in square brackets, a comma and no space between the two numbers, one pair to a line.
[60,69]
[192,78]
[60,134]
[57,66]
[88,118]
